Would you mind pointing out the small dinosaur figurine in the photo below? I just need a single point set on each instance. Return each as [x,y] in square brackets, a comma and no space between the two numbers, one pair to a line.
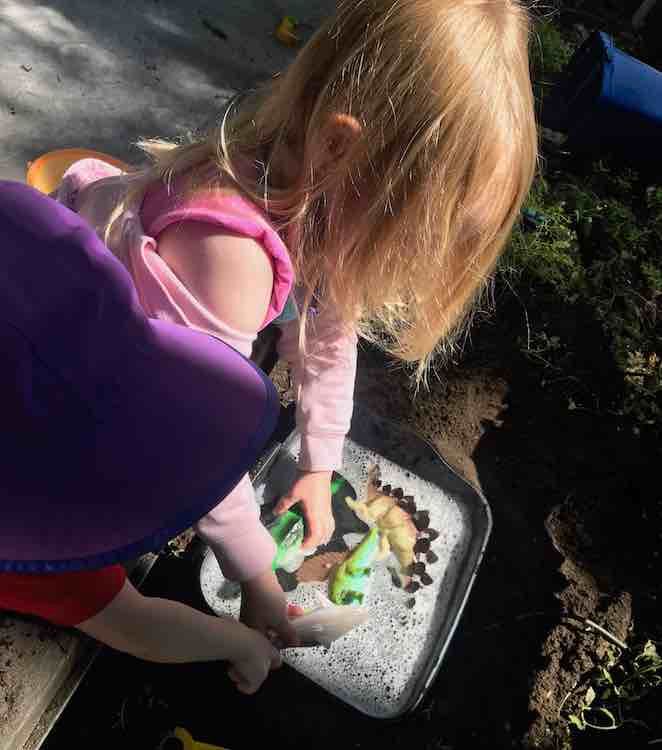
[383,512]
[348,583]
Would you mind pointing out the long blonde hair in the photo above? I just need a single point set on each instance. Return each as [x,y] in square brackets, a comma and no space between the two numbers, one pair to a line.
[426,198]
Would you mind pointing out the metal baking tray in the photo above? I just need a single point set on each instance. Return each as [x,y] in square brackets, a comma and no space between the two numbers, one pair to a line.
[385,667]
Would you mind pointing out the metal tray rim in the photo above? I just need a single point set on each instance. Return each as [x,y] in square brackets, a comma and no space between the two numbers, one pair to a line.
[457,601]
[436,660]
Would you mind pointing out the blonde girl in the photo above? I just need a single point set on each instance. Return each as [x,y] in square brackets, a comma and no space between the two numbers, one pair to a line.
[366,192]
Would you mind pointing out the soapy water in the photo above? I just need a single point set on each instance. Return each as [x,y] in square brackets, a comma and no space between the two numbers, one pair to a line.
[376,667]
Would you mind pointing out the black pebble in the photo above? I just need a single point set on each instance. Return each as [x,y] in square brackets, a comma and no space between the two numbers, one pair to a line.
[426,580]
[431,557]
[422,520]
[422,545]
[377,483]
[410,504]
[418,568]
[386,489]
[410,603]
[432,534]
[412,587]
[397,492]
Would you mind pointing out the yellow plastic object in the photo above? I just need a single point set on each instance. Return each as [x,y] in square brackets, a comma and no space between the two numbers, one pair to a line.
[188,743]
[285,32]
[45,173]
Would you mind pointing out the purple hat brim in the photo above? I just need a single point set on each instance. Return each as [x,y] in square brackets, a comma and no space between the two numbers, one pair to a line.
[119,431]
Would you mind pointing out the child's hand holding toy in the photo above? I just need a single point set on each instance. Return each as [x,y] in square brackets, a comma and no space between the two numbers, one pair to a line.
[312,491]
[264,608]
[255,659]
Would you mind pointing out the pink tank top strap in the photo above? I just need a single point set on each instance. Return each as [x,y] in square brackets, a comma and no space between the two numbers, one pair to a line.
[224,208]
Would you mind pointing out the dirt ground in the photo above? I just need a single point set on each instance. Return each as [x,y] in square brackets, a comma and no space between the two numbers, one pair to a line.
[577,533]
[577,527]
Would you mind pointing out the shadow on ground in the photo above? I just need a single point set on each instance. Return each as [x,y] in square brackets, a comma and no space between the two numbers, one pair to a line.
[100,75]
[577,523]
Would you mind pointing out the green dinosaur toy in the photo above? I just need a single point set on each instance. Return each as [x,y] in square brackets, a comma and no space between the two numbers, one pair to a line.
[349,581]
[288,532]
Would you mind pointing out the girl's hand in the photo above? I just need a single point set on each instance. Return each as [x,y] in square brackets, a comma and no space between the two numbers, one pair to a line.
[313,491]
[264,607]
[256,658]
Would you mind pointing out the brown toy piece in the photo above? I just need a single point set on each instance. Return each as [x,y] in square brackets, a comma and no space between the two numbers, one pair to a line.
[318,568]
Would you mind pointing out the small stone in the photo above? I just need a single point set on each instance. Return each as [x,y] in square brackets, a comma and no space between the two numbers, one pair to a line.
[386,489]
[410,603]
[426,580]
[418,568]
[397,492]
[422,545]
[410,504]
[396,580]
[413,587]
[26,67]
[431,557]
[432,534]
[421,520]
[409,508]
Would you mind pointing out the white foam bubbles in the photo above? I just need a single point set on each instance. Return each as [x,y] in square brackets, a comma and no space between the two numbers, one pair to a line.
[375,667]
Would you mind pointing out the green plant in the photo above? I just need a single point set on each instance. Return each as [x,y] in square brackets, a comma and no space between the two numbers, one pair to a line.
[654,206]
[550,52]
[548,255]
[606,698]
[596,246]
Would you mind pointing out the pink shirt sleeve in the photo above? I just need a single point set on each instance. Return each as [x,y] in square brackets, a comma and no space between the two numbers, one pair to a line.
[243,547]
[324,379]
[324,376]
[241,544]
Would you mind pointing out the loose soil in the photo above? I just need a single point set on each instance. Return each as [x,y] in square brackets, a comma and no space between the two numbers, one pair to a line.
[577,527]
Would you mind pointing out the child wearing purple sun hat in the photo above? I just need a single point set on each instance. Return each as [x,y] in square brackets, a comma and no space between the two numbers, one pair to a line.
[101,457]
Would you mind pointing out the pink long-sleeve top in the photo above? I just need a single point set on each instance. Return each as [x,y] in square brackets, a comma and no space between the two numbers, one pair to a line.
[323,375]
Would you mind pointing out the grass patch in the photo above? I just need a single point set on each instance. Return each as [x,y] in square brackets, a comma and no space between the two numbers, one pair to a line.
[595,247]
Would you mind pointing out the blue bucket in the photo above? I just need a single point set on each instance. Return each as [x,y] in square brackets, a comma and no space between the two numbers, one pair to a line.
[609,101]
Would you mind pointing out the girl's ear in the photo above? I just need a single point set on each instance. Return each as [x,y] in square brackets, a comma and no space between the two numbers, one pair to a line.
[339,135]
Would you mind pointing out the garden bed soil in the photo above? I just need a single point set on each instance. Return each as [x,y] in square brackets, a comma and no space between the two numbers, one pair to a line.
[577,526]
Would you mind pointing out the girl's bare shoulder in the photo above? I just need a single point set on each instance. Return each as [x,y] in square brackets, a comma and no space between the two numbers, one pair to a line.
[230,273]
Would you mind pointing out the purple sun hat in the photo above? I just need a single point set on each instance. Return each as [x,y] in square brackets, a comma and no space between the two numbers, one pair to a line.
[116,431]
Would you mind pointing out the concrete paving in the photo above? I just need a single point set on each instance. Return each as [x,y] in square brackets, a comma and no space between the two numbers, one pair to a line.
[100,74]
